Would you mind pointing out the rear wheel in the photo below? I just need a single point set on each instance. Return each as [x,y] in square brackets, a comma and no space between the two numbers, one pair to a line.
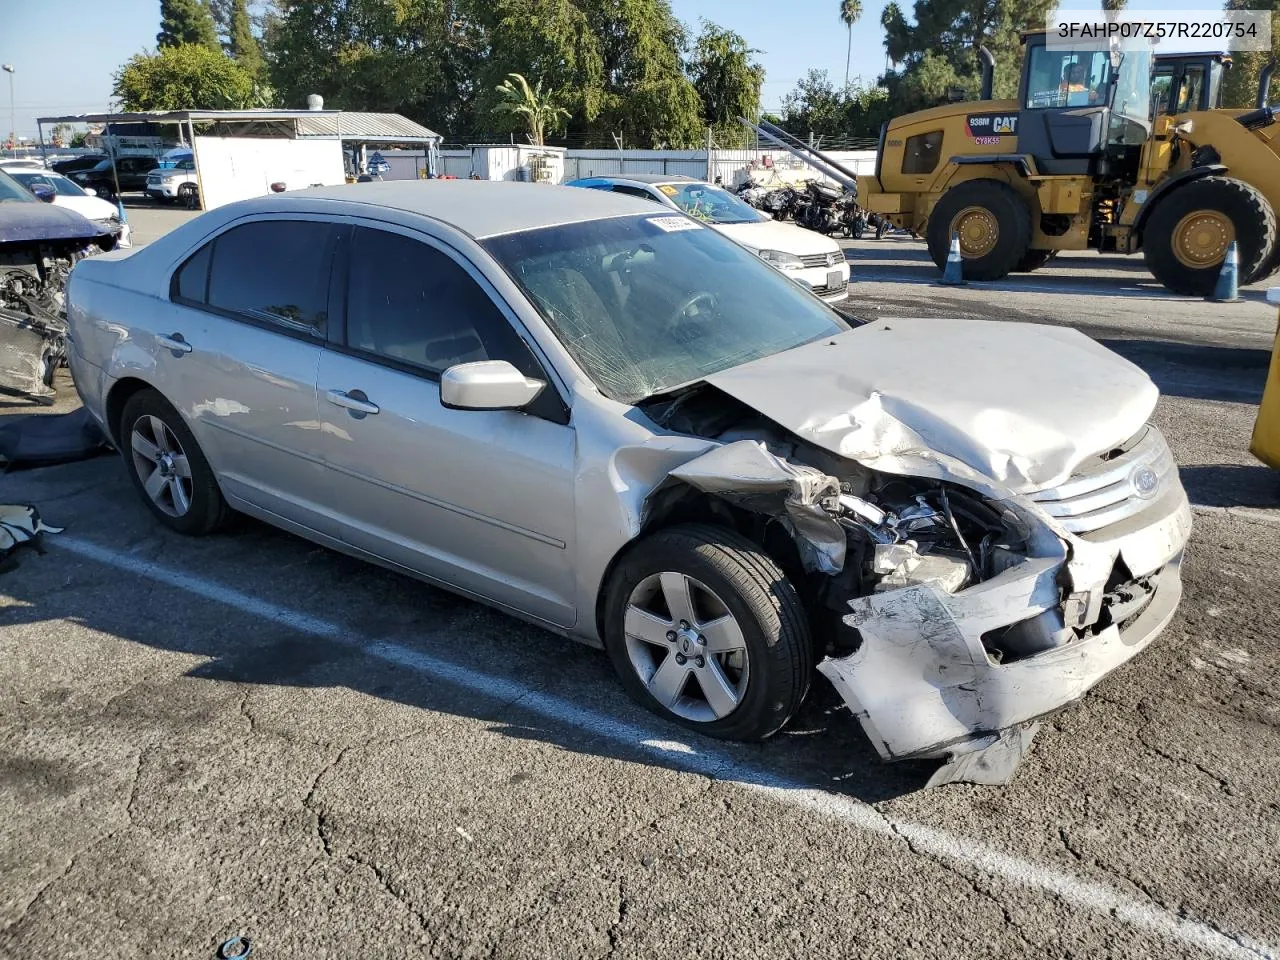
[167,466]
[704,628]
[1189,232]
[993,223]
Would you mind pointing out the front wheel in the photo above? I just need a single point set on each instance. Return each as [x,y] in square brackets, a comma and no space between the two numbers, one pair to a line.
[1189,232]
[703,628]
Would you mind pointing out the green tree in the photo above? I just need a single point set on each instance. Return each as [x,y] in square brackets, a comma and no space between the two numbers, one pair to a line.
[647,97]
[548,39]
[938,50]
[416,57]
[726,77]
[538,110]
[817,107]
[187,77]
[242,45]
[850,13]
[186,22]
[1240,89]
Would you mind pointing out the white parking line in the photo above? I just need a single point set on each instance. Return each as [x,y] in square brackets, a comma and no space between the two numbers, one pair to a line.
[1085,894]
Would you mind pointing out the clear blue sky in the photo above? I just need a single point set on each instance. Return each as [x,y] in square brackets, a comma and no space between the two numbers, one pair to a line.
[66,50]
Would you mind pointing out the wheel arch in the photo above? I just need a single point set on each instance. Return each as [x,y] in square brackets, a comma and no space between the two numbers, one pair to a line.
[119,394]
[678,503]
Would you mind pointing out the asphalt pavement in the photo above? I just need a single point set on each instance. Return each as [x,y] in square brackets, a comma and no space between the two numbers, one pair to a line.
[249,735]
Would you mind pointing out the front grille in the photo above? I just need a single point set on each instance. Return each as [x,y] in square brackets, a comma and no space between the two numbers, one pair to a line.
[1106,491]
[819,259]
[153,181]
[828,291]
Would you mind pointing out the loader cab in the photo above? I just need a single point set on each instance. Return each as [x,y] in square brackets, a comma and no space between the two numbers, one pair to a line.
[1184,82]
[1084,111]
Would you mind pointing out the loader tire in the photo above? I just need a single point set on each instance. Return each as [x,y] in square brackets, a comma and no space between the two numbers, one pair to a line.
[1034,260]
[994,225]
[1187,236]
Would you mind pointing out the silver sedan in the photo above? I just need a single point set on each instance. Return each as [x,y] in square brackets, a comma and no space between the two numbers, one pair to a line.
[618,424]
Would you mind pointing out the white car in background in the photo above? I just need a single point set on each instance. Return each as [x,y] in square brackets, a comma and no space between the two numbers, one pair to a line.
[167,184]
[811,259]
[56,189]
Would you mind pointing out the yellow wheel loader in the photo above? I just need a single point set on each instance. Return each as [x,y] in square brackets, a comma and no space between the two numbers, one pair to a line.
[1083,160]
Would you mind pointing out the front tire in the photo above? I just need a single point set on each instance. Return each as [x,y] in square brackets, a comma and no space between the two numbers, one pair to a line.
[168,468]
[1033,260]
[994,225]
[1187,235]
[704,629]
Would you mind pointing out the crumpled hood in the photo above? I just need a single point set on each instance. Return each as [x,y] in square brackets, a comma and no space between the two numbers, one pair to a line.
[27,222]
[1019,404]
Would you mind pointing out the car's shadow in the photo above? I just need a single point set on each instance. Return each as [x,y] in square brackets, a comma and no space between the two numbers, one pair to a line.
[822,748]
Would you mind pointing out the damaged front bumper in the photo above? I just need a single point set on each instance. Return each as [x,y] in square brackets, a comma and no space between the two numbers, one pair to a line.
[924,683]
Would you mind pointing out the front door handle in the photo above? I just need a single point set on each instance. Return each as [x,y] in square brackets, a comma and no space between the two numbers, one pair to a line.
[353,400]
[174,342]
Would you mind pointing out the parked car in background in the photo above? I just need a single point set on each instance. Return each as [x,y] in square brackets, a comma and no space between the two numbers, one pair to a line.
[73,164]
[178,182]
[58,190]
[130,173]
[809,258]
[612,420]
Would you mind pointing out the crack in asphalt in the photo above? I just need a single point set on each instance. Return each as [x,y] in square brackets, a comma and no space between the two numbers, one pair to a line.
[43,892]
[1144,710]
[955,870]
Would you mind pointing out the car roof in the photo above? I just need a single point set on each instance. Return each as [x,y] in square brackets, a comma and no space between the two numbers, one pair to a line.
[480,208]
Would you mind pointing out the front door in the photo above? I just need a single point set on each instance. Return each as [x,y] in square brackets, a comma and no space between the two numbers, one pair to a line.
[481,500]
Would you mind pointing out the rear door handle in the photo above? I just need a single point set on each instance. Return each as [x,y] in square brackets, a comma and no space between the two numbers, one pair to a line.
[353,400]
[174,342]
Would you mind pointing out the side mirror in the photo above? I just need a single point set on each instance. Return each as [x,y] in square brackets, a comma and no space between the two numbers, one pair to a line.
[90,191]
[43,192]
[487,385]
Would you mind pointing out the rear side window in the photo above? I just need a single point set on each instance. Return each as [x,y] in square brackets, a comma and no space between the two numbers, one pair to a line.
[191,282]
[411,303]
[275,272]
[921,152]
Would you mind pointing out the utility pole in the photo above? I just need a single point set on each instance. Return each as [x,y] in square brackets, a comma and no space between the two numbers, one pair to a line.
[13,116]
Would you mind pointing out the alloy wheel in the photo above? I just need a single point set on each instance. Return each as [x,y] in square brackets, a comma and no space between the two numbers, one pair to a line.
[161,465]
[686,647]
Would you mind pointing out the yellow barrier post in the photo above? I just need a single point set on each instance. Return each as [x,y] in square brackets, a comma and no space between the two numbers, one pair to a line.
[1266,431]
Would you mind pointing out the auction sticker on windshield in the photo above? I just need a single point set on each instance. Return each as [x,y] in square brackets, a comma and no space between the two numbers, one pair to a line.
[674,224]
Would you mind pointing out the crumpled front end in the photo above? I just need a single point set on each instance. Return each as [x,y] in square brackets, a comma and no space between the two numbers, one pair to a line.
[963,674]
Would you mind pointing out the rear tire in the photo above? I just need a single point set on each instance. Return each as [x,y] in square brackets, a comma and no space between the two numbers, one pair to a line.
[155,440]
[732,578]
[994,226]
[1186,237]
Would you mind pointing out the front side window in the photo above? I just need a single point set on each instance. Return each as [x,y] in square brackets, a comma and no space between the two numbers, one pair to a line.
[711,204]
[276,272]
[650,302]
[411,303]
[1162,92]
[1067,78]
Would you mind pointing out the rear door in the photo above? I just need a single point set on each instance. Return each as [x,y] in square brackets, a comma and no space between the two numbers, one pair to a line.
[239,356]
[479,499]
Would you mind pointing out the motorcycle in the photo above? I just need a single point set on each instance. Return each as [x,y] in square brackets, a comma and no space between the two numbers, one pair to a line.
[818,208]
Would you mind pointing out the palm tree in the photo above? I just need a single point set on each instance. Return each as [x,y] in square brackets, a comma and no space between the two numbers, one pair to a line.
[850,13]
[540,111]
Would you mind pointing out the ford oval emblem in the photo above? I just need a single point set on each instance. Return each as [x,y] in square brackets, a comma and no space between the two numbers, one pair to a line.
[1145,482]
